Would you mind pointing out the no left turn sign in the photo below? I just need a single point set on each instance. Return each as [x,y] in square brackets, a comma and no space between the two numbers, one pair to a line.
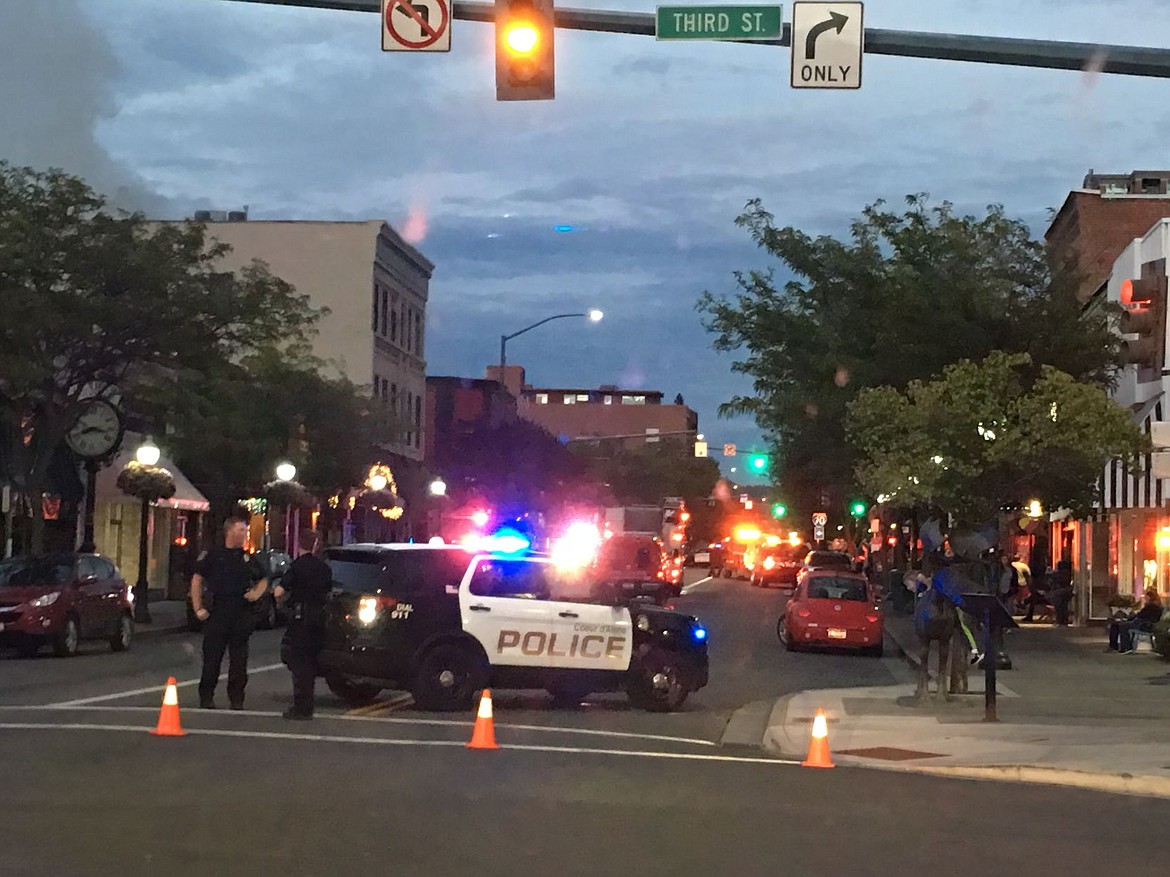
[416,26]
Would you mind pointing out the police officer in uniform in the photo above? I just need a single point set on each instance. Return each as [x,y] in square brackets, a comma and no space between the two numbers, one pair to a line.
[234,582]
[307,583]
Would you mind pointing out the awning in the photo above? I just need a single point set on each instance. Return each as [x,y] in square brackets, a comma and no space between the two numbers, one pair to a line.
[187,497]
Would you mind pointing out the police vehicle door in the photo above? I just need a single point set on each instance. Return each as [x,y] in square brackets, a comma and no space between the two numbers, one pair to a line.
[503,603]
[590,636]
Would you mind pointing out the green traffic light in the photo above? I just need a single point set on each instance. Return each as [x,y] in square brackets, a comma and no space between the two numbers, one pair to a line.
[857,509]
[758,462]
[779,510]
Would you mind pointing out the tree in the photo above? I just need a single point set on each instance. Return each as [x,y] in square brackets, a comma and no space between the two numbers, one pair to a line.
[906,295]
[646,474]
[97,303]
[233,422]
[987,435]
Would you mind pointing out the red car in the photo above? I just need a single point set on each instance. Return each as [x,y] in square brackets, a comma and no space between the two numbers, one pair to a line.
[832,608]
[61,599]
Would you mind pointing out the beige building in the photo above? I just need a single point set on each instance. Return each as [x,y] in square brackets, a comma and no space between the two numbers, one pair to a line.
[375,286]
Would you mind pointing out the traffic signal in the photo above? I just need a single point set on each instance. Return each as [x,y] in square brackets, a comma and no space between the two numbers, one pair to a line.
[857,508]
[1145,316]
[758,463]
[779,510]
[525,67]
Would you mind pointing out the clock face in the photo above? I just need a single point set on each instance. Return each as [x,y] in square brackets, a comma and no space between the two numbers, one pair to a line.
[97,431]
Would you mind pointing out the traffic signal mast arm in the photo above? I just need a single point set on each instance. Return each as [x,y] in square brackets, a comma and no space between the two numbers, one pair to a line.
[1050,54]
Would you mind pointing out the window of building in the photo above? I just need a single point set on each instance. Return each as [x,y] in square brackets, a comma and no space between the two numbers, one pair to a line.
[542,398]
[634,400]
[418,333]
[570,399]
[582,397]
[385,389]
[417,420]
[394,325]
[394,397]
[609,400]
[374,315]
[1151,186]
[408,341]
[377,383]
[385,308]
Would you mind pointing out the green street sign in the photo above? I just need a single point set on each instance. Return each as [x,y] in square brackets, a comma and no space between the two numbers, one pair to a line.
[718,23]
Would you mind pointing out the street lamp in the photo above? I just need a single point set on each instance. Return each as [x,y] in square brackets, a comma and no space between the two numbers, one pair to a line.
[286,471]
[438,487]
[593,315]
[378,482]
[147,454]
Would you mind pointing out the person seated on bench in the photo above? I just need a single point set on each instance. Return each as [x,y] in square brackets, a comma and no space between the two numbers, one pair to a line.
[1057,592]
[1121,630]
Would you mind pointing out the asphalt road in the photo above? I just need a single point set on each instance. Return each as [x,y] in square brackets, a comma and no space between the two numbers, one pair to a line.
[599,790]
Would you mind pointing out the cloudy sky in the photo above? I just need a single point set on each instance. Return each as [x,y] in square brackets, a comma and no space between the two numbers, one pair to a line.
[649,152]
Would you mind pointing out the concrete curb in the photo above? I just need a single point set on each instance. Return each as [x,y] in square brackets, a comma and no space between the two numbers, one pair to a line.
[1115,783]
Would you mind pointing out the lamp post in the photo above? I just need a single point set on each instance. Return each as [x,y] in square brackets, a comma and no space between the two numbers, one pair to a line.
[594,316]
[147,455]
[438,489]
[286,471]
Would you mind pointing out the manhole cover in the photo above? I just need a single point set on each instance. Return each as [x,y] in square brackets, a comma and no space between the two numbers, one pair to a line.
[889,753]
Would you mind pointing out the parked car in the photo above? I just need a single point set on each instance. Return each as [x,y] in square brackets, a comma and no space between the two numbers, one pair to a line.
[638,562]
[821,559]
[269,612]
[62,599]
[833,608]
[777,565]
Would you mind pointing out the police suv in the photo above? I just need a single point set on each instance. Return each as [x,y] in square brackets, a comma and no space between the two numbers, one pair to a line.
[444,622]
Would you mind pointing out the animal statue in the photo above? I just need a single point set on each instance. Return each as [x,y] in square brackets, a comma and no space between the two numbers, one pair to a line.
[935,621]
[960,658]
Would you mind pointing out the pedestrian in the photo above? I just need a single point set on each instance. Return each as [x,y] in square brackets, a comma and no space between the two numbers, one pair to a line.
[1121,631]
[1009,582]
[233,581]
[307,584]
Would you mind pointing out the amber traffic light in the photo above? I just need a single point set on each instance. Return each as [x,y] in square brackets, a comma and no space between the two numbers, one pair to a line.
[525,63]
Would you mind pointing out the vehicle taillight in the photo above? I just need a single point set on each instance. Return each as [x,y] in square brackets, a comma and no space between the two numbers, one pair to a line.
[769,562]
[803,613]
[873,618]
[369,607]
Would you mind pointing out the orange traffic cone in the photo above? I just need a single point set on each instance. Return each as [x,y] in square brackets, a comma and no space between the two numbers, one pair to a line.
[818,744]
[484,734]
[168,716]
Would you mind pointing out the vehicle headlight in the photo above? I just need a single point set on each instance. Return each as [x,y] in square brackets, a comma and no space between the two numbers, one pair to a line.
[367,610]
[643,622]
[47,600]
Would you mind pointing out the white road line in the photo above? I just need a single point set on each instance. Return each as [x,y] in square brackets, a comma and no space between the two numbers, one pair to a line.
[379,741]
[695,585]
[152,689]
[449,723]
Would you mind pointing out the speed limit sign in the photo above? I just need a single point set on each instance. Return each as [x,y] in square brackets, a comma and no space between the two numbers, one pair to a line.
[820,519]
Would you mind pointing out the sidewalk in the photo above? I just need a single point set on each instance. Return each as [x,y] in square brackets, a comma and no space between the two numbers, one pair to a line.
[166,616]
[1070,713]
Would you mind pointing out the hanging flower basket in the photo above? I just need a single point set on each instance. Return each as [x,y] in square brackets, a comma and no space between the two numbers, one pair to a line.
[149,483]
[288,493]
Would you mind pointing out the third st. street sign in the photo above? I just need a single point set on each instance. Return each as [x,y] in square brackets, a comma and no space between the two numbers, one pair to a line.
[718,23]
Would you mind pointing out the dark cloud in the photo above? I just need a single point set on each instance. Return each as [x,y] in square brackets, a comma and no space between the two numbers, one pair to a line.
[649,152]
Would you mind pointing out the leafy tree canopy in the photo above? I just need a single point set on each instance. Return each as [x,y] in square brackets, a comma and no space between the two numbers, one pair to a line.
[905,295]
[989,434]
[98,302]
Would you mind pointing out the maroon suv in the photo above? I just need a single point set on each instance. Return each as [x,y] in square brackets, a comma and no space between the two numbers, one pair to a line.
[61,599]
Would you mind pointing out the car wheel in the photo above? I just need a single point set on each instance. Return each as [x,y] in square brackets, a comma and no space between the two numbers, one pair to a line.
[657,682]
[120,642]
[726,573]
[568,697]
[784,636]
[447,677]
[65,643]
[352,693]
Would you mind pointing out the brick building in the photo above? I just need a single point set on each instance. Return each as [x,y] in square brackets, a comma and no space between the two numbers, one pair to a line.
[456,406]
[630,418]
[1100,219]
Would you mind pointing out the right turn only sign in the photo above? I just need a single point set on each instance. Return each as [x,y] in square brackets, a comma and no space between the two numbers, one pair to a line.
[827,43]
